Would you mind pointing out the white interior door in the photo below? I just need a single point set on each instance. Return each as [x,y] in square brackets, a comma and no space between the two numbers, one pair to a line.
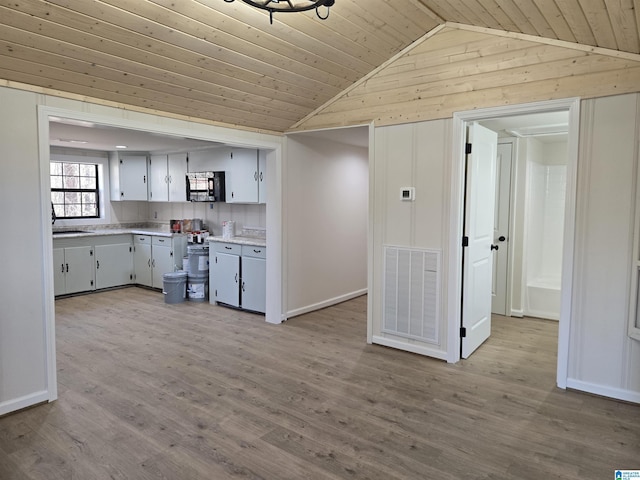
[478,227]
[501,229]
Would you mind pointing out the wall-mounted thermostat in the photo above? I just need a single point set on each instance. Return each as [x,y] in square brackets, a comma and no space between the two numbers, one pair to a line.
[408,194]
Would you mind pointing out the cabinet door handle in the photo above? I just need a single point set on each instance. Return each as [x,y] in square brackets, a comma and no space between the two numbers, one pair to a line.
[144,179]
[153,263]
[243,286]
[236,278]
[170,179]
[62,270]
[149,263]
[97,264]
[67,268]
[260,176]
[166,179]
[228,248]
[257,251]
[255,176]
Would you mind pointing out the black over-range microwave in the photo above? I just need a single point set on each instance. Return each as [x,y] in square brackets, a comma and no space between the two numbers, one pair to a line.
[205,187]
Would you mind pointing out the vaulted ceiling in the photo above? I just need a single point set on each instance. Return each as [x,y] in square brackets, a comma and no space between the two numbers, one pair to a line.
[225,63]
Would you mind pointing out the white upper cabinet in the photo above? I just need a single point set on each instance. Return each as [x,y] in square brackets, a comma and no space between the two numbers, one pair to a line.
[262,176]
[129,178]
[210,160]
[158,179]
[245,176]
[167,178]
[177,169]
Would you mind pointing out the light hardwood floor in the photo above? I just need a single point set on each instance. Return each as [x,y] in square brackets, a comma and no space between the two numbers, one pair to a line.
[192,391]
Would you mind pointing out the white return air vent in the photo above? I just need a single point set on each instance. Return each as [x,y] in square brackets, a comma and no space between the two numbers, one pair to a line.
[411,293]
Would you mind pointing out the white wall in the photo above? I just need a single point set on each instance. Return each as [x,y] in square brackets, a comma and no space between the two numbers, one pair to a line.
[414,155]
[327,212]
[603,358]
[26,288]
[23,378]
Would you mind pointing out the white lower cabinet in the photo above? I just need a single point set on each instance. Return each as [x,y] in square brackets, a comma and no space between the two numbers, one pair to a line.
[237,275]
[73,269]
[254,278]
[154,256]
[114,265]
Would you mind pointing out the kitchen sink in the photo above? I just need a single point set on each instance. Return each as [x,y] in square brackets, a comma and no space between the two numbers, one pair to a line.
[71,231]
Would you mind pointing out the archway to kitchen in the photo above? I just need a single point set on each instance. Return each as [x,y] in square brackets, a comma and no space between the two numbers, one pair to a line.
[156,125]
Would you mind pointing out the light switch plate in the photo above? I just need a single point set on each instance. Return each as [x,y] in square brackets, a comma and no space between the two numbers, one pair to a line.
[408,194]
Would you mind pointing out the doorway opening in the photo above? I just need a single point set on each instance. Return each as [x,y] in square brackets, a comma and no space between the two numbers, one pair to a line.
[531,181]
[570,109]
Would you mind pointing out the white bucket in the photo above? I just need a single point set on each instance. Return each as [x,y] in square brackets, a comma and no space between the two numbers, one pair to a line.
[198,259]
[174,287]
[198,287]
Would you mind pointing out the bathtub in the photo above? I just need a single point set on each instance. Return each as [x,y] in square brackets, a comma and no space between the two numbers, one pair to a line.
[543,298]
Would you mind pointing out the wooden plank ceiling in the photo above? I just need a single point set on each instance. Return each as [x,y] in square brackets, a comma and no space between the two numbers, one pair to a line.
[225,63]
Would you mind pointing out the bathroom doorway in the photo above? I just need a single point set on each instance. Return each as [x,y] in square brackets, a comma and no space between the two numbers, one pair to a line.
[531,180]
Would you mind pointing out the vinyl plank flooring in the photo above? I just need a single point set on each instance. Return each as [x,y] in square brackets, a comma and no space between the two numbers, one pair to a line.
[195,391]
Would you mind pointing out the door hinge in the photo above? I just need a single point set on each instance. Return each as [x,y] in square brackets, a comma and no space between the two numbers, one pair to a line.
[465,241]
[467,148]
[463,332]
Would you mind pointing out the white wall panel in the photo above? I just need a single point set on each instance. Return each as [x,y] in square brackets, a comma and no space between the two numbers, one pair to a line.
[22,328]
[602,357]
[413,155]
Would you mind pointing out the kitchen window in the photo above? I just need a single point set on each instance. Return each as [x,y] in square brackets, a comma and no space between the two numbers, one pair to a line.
[75,190]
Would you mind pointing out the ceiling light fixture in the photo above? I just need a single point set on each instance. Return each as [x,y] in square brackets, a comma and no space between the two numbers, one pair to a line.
[290,6]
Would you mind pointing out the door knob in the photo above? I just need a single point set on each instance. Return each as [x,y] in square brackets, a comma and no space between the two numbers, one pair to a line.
[494,247]
[502,238]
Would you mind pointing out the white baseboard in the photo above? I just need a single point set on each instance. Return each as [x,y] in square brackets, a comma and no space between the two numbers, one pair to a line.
[410,347]
[602,390]
[542,314]
[326,303]
[517,313]
[23,402]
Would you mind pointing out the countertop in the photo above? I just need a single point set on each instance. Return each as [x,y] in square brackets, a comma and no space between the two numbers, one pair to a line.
[162,232]
[253,241]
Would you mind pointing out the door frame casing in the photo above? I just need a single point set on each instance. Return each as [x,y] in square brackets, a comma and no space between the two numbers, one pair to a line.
[454,287]
[510,231]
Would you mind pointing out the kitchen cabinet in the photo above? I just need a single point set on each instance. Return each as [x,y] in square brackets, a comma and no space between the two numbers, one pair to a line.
[262,176]
[167,177]
[253,286]
[156,255]
[224,273]
[73,269]
[142,259]
[237,275]
[242,176]
[88,263]
[128,177]
[114,265]
[210,160]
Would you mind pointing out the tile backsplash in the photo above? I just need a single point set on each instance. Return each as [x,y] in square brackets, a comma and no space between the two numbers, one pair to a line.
[245,215]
